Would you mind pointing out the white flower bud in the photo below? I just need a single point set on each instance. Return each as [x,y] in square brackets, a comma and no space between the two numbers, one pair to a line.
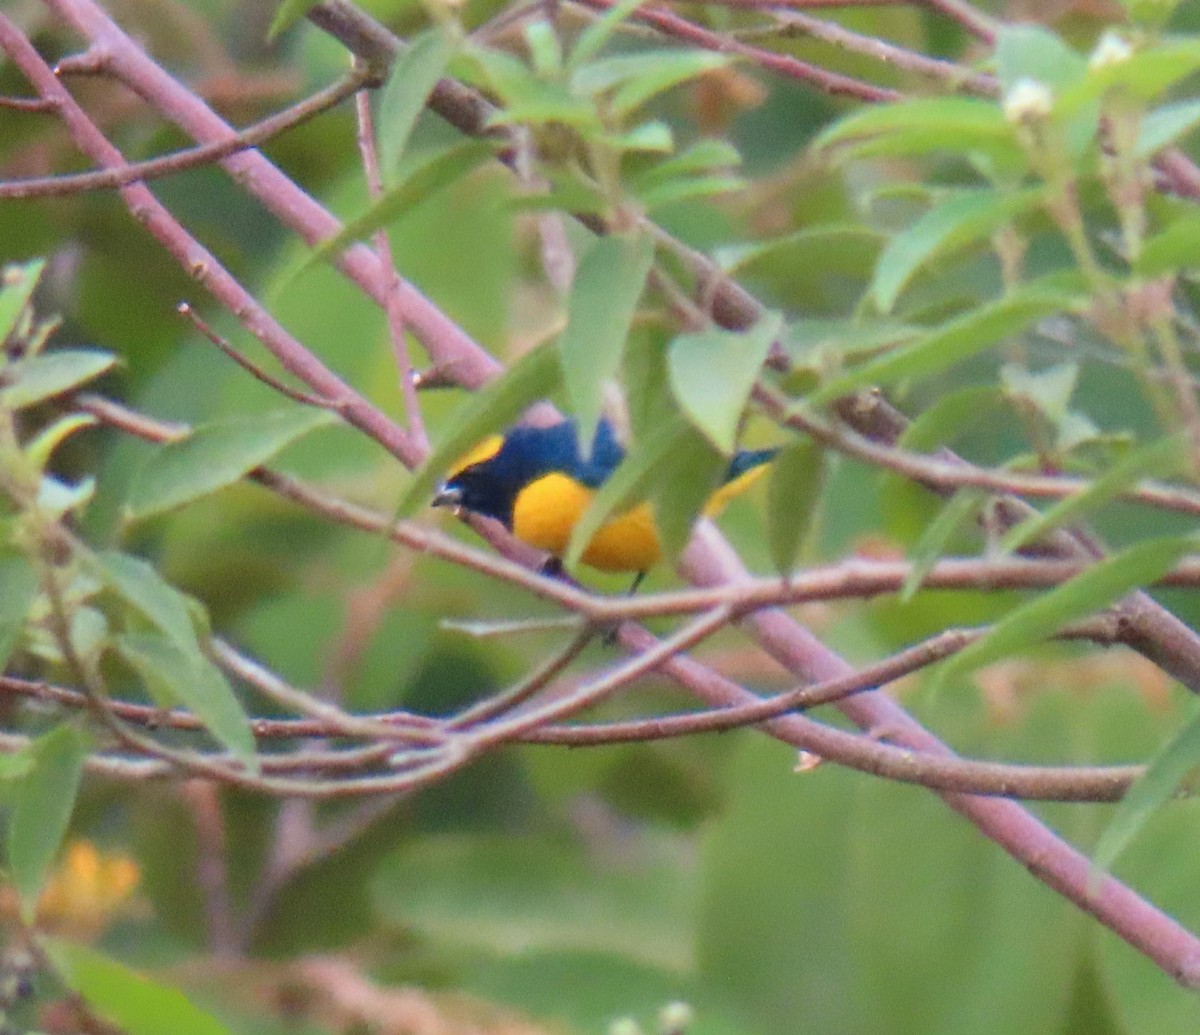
[1027,101]
[675,1017]
[1113,49]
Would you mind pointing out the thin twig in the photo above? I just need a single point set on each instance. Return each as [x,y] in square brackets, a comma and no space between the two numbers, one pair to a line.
[393,308]
[247,364]
[953,75]
[833,83]
[189,158]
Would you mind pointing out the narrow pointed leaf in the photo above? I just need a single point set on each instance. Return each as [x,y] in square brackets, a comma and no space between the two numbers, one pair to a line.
[713,372]
[952,342]
[1157,460]
[215,456]
[1083,595]
[598,33]
[1172,249]
[793,492]
[534,376]
[962,508]
[603,301]
[18,590]
[1155,788]
[661,75]
[702,157]
[42,377]
[630,483]
[687,188]
[923,125]
[441,170]
[180,676]
[962,220]
[1164,126]
[413,77]
[19,283]
[683,488]
[129,1001]
[141,586]
[635,78]
[41,448]
[41,809]
[287,14]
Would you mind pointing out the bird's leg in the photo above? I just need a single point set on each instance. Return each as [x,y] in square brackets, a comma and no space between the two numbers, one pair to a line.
[610,637]
[552,567]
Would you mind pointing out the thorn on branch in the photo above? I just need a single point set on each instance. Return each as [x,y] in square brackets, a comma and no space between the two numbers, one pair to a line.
[434,377]
[93,61]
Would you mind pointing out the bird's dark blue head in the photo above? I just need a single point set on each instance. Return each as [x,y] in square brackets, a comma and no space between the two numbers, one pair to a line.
[488,480]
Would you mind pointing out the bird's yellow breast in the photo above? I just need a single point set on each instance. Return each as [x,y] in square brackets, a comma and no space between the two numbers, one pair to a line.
[546,511]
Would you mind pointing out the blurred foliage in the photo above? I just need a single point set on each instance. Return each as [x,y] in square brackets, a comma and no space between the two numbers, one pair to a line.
[1002,266]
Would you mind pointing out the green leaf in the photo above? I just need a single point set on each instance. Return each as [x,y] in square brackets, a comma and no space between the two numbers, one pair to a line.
[961,509]
[534,376]
[1167,770]
[675,191]
[20,584]
[713,372]
[545,49]
[18,283]
[1087,593]
[600,310]
[131,1002]
[815,341]
[42,377]
[286,15]
[141,586]
[1172,249]
[703,156]
[648,137]
[216,455]
[1034,52]
[441,170]
[41,448]
[526,97]
[598,33]
[635,78]
[412,79]
[16,765]
[178,675]
[41,810]
[1144,75]
[683,488]
[629,483]
[963,219]
[793,492]
[952,342]
[958,124]
[1157,460]
[1047,392]
[1164,126]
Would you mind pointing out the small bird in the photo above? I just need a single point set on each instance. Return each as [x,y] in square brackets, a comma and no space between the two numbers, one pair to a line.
[535,481]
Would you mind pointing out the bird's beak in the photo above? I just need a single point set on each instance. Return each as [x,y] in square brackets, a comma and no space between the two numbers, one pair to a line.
[448,496]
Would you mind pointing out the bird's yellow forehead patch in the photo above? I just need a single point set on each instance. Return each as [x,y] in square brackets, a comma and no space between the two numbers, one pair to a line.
[486,449]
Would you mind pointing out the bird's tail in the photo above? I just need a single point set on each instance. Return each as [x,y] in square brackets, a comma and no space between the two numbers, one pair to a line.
[746,467]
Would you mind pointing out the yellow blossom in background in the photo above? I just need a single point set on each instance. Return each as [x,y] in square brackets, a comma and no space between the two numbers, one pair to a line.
[87,890]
